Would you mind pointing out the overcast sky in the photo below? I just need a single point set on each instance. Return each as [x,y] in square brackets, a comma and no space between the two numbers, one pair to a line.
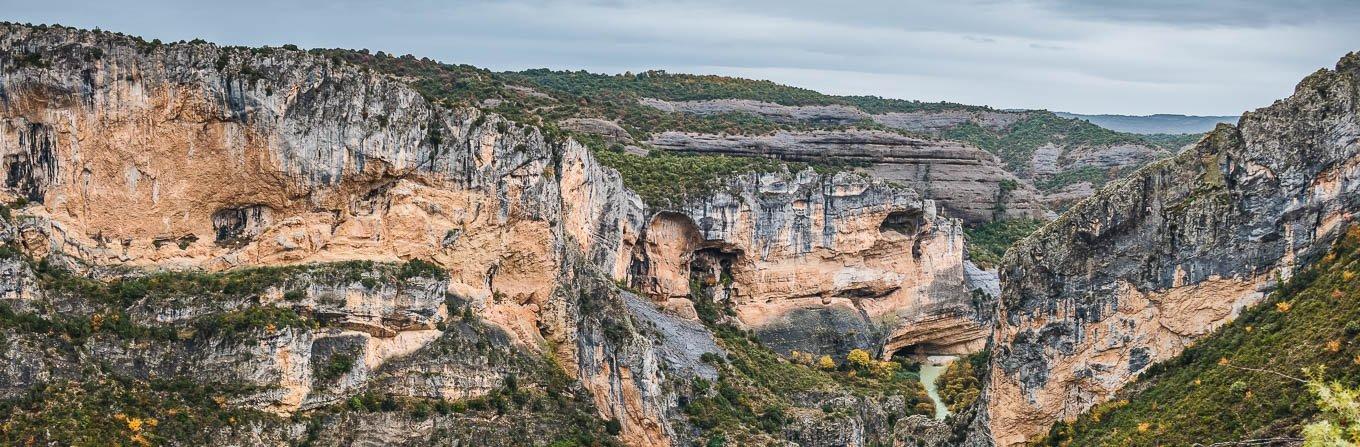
[1216,57]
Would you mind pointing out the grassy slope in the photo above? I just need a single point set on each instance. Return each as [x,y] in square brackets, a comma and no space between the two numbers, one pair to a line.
[1213,392]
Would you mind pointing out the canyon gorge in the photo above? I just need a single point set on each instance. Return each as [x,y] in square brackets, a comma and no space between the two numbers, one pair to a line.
[275,246]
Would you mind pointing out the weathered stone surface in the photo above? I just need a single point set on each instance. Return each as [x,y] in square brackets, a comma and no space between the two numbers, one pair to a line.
[920,431]
[950,188]
[1110,157]
[985,281]
[933,121]
[831,114]
[1064,197]
[852,421]
[818,264]
[608,129]
[924,121]
[966,181]
[191,156]
[1149,264]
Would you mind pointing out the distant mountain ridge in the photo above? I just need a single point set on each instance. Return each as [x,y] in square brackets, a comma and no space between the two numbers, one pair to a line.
[1153,124]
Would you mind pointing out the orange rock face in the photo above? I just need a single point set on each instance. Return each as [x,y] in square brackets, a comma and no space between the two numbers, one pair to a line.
[175,158]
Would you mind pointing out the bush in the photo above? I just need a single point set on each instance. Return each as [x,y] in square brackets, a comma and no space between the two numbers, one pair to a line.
[859,359]
[987,243]
[267,318]
[117,411]
[419,268]
[961,383]
[334,367]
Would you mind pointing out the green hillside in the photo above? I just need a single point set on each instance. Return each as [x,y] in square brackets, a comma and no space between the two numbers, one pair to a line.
[545,97]
[1236,384]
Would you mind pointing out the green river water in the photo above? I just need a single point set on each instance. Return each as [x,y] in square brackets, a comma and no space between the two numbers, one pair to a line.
[931,370]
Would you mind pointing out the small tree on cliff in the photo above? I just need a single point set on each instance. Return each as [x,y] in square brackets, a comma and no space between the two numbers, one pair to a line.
[859,359]
[1341,405]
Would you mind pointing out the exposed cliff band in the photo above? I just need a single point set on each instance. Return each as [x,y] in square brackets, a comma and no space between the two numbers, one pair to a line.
[967,182]
[1147,265]
[1067,162]
[195,156]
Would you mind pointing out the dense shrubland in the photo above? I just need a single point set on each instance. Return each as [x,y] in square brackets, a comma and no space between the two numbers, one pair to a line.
[987,243]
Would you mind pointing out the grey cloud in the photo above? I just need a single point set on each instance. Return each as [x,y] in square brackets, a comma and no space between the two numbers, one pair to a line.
[1169,57]
[1249,13]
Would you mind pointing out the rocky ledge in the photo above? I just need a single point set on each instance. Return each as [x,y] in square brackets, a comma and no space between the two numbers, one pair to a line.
[967,182]
[1134,274]
[197,158]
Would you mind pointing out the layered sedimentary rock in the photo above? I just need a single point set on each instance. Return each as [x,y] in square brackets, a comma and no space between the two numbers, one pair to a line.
[608,129]
[1146,266]
[1088,164]
[194,156]
[935,121]
[819,264]
[367,320]
[966,181]
[831,114]
[191,156]
[305,339]
[922,121]
[1058,157]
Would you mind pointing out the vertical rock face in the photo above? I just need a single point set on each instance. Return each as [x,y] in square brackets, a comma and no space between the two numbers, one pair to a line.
[268,157]
[199,157]
[1149,264]
[820,264]
[967,182]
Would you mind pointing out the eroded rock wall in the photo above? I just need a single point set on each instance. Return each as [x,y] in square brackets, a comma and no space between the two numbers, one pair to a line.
[192,156]
[195,156]
[820,264]
[1146,266]
[967,182]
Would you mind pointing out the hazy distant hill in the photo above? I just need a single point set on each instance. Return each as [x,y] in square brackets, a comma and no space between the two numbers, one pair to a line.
[1150,124]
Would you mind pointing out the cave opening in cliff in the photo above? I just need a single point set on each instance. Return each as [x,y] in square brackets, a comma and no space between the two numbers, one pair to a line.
[712,265]
[237,226]
[918,351]
[904,222]
[711,281]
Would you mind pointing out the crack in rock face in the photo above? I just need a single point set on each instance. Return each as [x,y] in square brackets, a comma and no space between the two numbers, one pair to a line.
[1153,262]
[208,159]
[435,252]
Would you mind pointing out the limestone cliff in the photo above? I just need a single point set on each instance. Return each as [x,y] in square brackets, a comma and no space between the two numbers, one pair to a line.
[967,182]
[820,265]
[196,157]
[1139,271]
[1064,158]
